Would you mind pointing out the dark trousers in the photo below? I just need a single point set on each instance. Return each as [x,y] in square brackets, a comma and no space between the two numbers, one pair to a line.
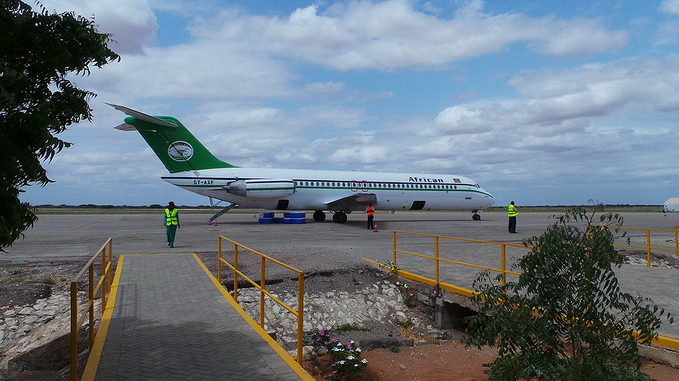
[370,222]
[512,224]
[170,232]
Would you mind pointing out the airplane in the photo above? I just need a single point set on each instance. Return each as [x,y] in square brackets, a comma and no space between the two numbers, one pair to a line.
[194,168]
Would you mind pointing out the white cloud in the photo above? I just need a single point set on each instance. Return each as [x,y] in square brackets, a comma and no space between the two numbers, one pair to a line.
[362,155]
[325,88]
[131,22]
[392,35]
[580,37]
[558,101]
[670,6]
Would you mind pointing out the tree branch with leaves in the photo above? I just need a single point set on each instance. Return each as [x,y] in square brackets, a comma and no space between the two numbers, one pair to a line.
[38,50]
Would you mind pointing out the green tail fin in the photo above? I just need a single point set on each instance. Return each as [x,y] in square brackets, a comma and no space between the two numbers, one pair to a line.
[174,145]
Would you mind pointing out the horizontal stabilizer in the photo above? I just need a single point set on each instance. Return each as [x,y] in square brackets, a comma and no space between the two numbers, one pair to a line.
[125,127]
[141,116]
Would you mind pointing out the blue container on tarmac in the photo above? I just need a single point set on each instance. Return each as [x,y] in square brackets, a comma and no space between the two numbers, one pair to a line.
[265,220]
[295,220]
[294,214]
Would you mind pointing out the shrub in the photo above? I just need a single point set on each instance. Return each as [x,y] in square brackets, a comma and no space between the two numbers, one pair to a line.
[565,318]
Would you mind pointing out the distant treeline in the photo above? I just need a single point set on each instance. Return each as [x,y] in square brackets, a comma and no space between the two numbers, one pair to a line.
[522,208]
[617,208]
[95,206]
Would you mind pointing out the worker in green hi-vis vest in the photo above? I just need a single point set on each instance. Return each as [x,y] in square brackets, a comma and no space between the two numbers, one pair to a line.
[171,223]
[512,213]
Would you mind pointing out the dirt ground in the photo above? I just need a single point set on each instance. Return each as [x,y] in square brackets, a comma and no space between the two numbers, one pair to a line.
[450,361]
[24,283]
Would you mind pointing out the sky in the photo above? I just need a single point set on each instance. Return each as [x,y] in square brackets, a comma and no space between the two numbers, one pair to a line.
[541,102]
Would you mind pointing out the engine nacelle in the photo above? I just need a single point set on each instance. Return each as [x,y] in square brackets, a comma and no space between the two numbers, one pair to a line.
[261,188]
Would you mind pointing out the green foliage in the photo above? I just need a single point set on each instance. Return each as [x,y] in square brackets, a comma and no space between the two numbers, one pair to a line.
[350,327]
[565,318]
[47,279]
[37,52]
[319,338]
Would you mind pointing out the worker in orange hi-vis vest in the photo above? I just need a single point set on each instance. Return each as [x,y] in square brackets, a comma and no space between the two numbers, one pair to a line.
[370,211]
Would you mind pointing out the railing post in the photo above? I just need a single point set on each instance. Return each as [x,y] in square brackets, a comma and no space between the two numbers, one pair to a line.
[503,260]
[394,241]
[109,276]
[300,316]
[74,331]
[676,243]
[436,249]
[262,267]
[104,274]
[648,247]
[235,272]
[219,259]
[90,296]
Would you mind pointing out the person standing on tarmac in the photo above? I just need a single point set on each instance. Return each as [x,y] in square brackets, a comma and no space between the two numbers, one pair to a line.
[511,213]
[370,211]
[171,223]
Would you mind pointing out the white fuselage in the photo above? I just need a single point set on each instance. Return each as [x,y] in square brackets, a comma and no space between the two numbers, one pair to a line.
[316,189]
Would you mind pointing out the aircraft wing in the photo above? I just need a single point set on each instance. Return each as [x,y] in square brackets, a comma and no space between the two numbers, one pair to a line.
[353,202]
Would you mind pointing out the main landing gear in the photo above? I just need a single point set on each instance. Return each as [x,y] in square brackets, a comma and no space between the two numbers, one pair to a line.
[339,217]
[319,216]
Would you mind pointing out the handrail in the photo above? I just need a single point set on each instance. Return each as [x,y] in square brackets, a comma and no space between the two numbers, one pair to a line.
[650,248]
[104,284]
[299,313]
[661,340]
[437,259]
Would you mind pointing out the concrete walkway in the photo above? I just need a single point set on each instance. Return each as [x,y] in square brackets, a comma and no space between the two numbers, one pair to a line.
[172,321]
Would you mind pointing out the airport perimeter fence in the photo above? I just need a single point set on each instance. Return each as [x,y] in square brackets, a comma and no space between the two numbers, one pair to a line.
[263,259]
[101,288]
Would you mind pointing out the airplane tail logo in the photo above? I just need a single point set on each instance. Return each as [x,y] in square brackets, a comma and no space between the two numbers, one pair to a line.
[180,151]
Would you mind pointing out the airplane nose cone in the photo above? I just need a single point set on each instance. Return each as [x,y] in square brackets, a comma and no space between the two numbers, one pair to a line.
[490,199]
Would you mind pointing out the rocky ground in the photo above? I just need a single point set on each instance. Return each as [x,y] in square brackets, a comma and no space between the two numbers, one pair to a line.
[362,304]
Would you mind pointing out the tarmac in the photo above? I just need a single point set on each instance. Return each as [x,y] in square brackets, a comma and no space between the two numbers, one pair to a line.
[313,246]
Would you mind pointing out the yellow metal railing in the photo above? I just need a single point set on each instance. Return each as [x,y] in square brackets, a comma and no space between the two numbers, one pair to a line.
[299,313]
[661,340]
[103,284]
[437,255]
[648,238]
